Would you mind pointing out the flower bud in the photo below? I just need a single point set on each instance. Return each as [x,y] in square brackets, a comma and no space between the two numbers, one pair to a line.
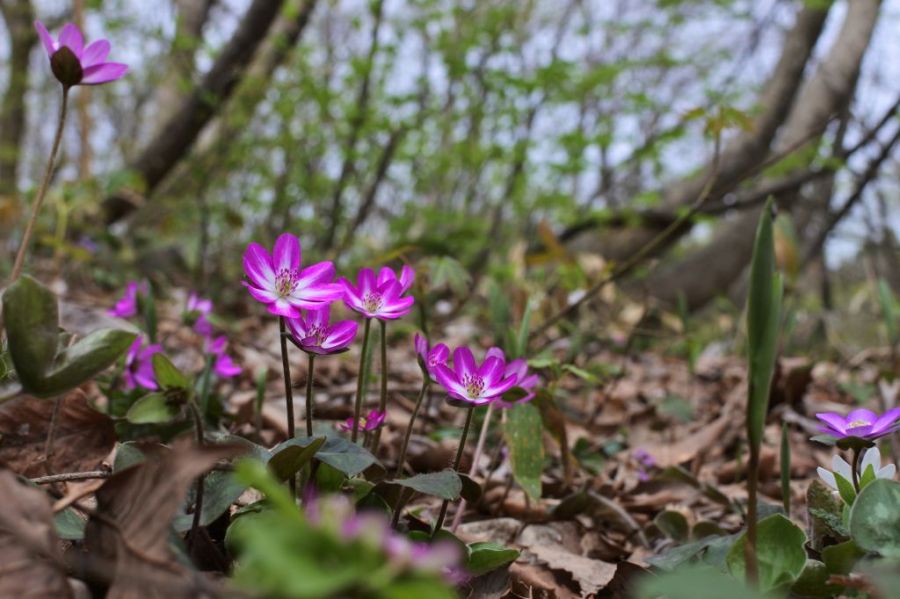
[66,67]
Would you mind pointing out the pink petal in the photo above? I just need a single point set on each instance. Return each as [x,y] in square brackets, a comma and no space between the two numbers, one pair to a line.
[366,280]
[286,253]
[103,73]
[491,370]
[341,334]
[464,362]
[316,274]
[264,296]
[439,354]
[495,352]
[95,53]
[500,388]
[867,416]
[886,420]
[407,277]
[385,275]
[46,38]
[447,379]
[258,266]
[281,307]
[298,328]
[70,36]
[835,421]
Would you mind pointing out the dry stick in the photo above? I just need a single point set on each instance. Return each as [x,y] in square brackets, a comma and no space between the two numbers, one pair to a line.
[288,393]
[66,477]
[459,453]
[479,448]
[359,383]
[42,191]
[309,397]
[382,401]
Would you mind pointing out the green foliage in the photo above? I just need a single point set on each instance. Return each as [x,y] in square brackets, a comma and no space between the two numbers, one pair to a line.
[44,366]
[155,408]
[485,557]
[780,550]
[875,518]
[523,433]
[445,484]
[693,582]
[289,457]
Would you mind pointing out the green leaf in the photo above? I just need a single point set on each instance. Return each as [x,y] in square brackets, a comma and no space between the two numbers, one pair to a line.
[523,432]
[445,484]
[693,582]
[867,477]
[875,518]
[220,491]
[349,458]
[167,375]
[152,409]
[31,318]
[845,489]
[471,490]
[813,581]
[780,549]
[673,524]
[291,456]
[485,557]
[763,316]
[127,455]
[675,557]
[841,558]
[69,525]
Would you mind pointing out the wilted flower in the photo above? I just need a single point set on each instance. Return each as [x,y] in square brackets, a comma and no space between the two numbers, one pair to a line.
[841,468]
[223,365]
[429,357]
[139,365]
[861,423]
[379,298]
[276,279]
[127,306]
[370,422]
[73,63]
[468,382]
[519,369]
[314,334]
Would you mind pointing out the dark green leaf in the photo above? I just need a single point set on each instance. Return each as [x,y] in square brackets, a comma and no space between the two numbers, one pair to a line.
[845,488]
[152,409]
[220,490]
[813,581]
[693,582]
[349,458]
[31,318]
[167,375]
[523,432]
[780,549]
[291,456]
[841,558]
[673,524]
[445,484]
[875,518]
[484,557]
[69,525]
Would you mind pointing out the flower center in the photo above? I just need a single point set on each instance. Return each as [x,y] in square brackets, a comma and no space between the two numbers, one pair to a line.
[474,385]
[858,423]
[373,301]
[285,282]
[318,333]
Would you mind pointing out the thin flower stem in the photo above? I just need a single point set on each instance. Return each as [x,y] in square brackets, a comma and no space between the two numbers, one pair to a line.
[51,432]
[750,557]
[412,420]
[198,494]
[459,453]
[857,453]
[288,393]
[479,448]
[382,401]
[205,380]
[309,395]
[42,191]
[357,409]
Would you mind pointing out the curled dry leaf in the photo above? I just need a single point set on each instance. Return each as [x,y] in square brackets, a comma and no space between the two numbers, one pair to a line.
[129,533]
[30,564]
[84,436]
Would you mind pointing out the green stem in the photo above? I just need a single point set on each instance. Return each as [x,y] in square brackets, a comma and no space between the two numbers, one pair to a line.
[857,453]
[288,392]
[205,384]
[198,494]
[382,401]
[412,420]
[360,381]
[309,395]
[750,557]
[476,457]
[42,191]
[459,453]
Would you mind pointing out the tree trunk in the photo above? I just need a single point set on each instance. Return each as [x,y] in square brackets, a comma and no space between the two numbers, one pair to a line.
[18,15]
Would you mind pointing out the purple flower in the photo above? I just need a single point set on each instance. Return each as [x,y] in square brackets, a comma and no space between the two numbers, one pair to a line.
[198,304]
[196,312]
[519,369]
[139,365]
[429,357]
[373,420]
[315,335]
[223,365]
[471,383]
[276,279]
[73,63]
[861,423]
[127,306]
[379,298]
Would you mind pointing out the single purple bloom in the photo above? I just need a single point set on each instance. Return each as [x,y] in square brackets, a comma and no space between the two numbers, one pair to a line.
[519,369]
[276,279]
[378,298]
[314,334]
[373,420]
[203,327]
[471,383]
[73,63]
[861,423]
[127,306]
[200,305]
[223,365]
[139,365]
[429,357]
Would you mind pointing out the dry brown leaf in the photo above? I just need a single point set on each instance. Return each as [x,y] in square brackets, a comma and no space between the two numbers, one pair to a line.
[130,529]
[84,436]
[30,564]
[590,574]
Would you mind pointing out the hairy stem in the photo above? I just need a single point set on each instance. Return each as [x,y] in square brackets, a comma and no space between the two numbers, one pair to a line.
[42,191]
[357,409]
[857,454]
[309,394]
[288,392]
[479,449]
[412,420]
[382,400]
[459,453]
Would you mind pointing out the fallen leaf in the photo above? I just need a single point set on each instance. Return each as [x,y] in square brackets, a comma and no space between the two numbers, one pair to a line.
[84,436]
[30,563]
